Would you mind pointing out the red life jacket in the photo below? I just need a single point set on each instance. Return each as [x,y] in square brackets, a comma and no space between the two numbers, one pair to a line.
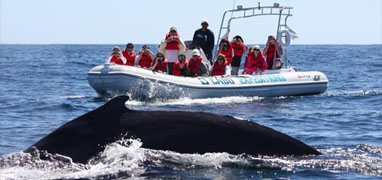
[130,59]
[145,60]
[116,60]
[173,44]
[218,70]
[228,54]
[193,65]
[176,68]
[238,49]
[258,62]
[271,52]
[161,66]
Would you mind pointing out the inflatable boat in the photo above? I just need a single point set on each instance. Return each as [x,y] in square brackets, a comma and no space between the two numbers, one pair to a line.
[111,79]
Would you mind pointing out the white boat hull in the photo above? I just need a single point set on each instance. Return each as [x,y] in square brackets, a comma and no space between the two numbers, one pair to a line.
[111,79]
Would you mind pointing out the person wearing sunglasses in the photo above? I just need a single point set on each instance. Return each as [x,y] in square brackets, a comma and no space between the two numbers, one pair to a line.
[174,46]
[160,63]
[195,65]
[256,62]
[220,67]
[129,54]
[116,56]
[180,66]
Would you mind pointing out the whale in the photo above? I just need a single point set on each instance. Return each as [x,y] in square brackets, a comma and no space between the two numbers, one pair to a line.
[180,131]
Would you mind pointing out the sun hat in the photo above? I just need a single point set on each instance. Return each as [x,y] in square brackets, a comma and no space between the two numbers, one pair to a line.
[205,21]
[173,29]
[195,52]
[256,47]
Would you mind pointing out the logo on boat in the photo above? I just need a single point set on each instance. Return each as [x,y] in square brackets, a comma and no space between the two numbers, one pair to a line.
[242,80]
[303,76]
[262,79]
[216,80]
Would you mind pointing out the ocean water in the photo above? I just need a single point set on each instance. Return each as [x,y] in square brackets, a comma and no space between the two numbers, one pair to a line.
[45,86]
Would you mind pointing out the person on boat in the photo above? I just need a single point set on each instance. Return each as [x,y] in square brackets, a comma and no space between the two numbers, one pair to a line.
[225,48]
[195,65]
[145,57]
[160,63]
[116,56]
[238,48]
[205,39]
[174,46]
[129,54]
[271,49]
[220,67]
[256,62]
[180,66]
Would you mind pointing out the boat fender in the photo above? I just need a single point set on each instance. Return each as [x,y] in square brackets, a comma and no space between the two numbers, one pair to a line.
[284,35]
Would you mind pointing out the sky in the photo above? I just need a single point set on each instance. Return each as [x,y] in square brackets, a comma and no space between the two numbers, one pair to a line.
[147,22]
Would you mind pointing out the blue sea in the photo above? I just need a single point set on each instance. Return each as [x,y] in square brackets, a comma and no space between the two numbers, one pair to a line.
[45,86]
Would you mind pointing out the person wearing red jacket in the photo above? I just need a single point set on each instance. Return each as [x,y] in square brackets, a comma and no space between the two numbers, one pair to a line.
[116,56]
[256,62]
[129,54]
[238,48]
[145,57]
[220,67]
[271,49]
[225,48]
[195,65]
[160,63]
[180,66]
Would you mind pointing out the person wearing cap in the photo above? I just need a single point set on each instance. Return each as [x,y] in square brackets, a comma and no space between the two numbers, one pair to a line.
[145,57]
[220,67]
[238,48]
[180,66]
[174,46]
[129,54]
[271,49]
[204,38]
[116,56]
[195,65]
[256,62]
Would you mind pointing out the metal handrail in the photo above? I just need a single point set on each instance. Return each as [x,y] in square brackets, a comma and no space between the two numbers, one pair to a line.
[255,11]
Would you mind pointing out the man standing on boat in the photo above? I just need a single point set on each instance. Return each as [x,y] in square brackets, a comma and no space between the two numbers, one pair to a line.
[205,39]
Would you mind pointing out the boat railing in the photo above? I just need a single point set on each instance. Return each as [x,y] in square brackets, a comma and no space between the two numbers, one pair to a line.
[240,13]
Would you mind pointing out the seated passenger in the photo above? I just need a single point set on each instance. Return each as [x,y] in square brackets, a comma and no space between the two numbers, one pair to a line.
[129,54]
[145,57]
[195,65]
[220,67]
[180,66]
[116,56]
[256,62]
[270,51]
[160,63]
[250,49]
[225,48]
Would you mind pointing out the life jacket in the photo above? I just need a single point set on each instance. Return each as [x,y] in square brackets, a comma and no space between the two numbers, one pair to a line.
[130,59]
[257,62]
[238,49]
[218,70]
[116,60]
[173,44]
[145,60]
[176,68]
[271,52]
[227,54]
[161,66]
[193,66]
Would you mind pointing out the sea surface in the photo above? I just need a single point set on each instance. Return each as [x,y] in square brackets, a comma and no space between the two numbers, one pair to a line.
[45,86]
